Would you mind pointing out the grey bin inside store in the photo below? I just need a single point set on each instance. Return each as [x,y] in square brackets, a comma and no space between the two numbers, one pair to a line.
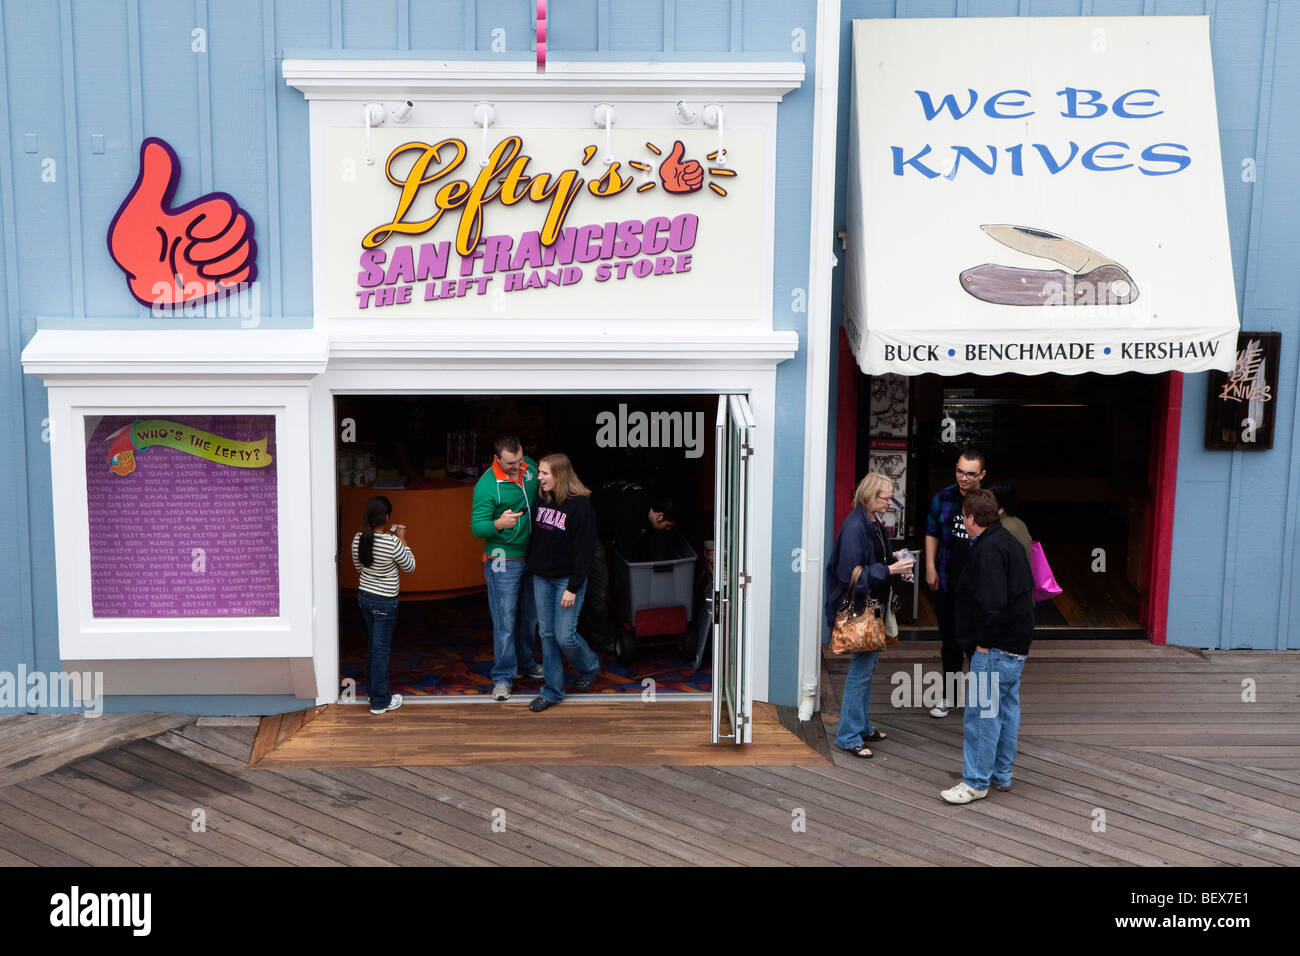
[649,584]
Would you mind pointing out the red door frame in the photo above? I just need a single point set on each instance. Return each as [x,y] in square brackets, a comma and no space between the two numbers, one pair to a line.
[1163,481]
[846,430]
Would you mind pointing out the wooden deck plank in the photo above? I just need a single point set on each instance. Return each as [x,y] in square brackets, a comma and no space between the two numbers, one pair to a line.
[429,835]
[552,809]
[297,824]
[537,808]
[129,852]
[601,851]
[1142,798]
[267,734]
[131,837]
[689,817]
[35,744]
[246,841]
[1260,783]
[1018,818]
[346,828]
[917,823]
[34,850]
[671,824]
[1179,788]
[772,804]
[587,732]
[1072,787]
[164,829]
[12,859]
[525,816]
[417,810]
[1289,778]
[751,803]
[556,849]
[593,808]
[15,815]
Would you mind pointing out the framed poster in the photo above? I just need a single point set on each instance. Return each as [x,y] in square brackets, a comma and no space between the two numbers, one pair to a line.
[888,456]
[183,516]
[889,395]
[1241,405]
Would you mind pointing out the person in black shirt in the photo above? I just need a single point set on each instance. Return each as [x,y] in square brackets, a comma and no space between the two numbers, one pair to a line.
[559,558]
[994,616]
[946,550]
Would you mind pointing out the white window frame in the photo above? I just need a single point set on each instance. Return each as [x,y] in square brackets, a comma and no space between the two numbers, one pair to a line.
[178,373]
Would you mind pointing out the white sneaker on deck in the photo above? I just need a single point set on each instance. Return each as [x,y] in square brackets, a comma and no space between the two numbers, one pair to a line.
[963,793]
[941,710]
[393,704]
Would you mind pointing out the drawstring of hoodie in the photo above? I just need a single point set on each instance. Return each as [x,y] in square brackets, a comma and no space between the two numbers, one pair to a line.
[528,505]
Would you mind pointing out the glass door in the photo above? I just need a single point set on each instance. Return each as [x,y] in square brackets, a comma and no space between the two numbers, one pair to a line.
[732,581]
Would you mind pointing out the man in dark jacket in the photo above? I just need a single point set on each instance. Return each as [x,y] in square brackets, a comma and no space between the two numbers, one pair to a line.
[994,617]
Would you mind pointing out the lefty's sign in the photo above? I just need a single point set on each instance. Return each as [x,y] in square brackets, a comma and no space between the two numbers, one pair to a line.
[544,224]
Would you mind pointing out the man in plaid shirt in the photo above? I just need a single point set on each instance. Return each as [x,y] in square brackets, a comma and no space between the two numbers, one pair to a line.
[946,548]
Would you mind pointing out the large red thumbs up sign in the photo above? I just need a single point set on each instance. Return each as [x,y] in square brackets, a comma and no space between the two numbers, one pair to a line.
[678,176]
[173,256]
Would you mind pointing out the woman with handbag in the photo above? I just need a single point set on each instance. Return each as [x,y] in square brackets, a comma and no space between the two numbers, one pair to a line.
[857,571]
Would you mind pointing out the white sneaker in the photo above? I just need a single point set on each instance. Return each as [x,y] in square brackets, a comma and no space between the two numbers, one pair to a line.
[963,793]
[393,704]
[942,709]
[500,690]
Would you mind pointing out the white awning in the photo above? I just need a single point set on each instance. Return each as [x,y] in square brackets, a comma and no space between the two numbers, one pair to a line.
[1036,195]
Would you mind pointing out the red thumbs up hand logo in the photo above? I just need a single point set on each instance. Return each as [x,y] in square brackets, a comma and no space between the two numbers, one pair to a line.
[679,177]
[173,256]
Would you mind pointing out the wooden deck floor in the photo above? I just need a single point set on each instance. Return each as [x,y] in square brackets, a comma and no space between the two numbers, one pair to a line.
[581,732]
[1130,755]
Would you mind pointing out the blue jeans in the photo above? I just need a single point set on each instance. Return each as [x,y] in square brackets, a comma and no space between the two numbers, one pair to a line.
[992,719]
[559,628]
[380,615]
[514,617]
[854,722]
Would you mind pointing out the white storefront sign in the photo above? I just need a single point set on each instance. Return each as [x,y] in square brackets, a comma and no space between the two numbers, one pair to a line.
[1037,195]
[449,224]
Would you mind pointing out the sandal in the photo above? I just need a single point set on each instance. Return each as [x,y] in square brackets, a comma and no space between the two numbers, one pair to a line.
[875,735]
[864,751]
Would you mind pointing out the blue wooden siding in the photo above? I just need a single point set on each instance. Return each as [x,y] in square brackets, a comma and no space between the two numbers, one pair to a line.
[83,81]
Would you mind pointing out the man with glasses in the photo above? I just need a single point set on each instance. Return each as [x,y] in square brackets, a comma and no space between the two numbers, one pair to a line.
[502,516]
[947,546]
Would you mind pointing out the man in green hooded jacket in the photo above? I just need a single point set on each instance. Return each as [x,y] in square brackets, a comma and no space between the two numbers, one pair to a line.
[502,516]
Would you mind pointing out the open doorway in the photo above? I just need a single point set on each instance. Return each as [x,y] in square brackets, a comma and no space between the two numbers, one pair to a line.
[426,452]
[1078,450]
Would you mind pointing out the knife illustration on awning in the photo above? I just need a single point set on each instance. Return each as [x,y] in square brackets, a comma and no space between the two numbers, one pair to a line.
[1093,279]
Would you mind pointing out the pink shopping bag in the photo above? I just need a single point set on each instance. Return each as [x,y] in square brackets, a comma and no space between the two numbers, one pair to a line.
[1045,586]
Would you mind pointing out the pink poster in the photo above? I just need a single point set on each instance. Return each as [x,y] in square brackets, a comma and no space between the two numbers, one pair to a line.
[183,516]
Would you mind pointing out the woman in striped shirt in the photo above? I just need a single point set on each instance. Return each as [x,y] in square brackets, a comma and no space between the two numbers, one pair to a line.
[378,557]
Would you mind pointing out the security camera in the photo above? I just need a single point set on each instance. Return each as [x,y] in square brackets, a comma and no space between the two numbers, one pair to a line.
[402,111]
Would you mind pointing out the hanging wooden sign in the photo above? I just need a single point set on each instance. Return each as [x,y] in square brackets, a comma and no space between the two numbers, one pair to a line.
[1241,405]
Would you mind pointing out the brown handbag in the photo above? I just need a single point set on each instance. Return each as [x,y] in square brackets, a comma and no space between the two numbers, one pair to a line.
[856,632]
